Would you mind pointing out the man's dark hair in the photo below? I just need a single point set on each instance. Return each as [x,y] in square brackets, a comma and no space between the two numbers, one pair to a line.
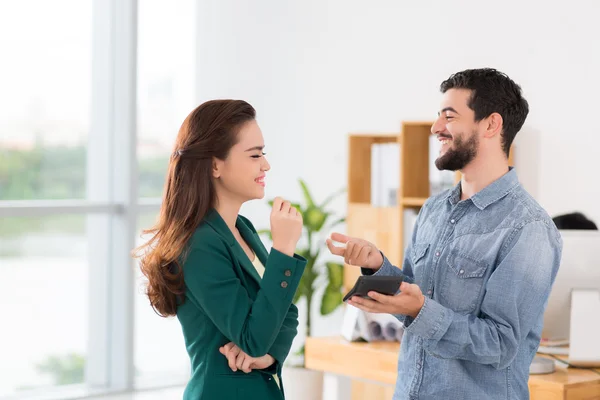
[492,91]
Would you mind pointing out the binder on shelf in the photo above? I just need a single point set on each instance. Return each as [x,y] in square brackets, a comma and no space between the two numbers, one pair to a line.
[385,174]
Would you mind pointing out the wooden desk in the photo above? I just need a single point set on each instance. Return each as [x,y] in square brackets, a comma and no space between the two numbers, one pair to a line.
[377,362]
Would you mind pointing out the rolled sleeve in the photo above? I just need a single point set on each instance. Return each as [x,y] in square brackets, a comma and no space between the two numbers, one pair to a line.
[431,322]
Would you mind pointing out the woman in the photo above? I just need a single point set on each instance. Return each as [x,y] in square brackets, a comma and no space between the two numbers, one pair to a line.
[206,264]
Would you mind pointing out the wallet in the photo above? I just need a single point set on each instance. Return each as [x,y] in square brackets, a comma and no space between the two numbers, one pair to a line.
[388,285]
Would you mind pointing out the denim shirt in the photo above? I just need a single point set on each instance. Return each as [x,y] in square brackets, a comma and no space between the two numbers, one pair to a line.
[486,266]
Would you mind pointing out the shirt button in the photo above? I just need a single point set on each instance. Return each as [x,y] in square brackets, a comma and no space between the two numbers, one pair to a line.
[288,272]
[284,284]
[418,365]
[462,271]
[437,253]
[429,292]
[452,221]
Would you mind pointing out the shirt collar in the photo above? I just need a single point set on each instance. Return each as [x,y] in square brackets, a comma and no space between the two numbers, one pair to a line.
[489,194]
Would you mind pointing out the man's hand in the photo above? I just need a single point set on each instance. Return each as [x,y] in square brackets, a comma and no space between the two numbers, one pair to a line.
[357,252]
[237,359]
[409,301]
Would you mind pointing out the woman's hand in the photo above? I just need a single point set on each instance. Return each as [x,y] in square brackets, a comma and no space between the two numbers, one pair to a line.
[286,226]
[237,359]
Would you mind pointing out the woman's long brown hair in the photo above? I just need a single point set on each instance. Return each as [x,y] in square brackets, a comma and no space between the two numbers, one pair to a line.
[208,132]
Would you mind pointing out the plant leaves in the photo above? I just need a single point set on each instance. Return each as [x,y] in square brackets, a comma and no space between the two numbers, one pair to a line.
[307,197]
[332,298]
[335,275]
[303,253]
[299,293]
[314,218]
[304,285]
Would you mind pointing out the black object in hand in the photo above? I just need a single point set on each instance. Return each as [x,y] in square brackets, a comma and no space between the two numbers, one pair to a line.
[388,285]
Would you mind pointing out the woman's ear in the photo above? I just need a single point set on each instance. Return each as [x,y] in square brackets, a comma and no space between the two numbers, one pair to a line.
[217,167]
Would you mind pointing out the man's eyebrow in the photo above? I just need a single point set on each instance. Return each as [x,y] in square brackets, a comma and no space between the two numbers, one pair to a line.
[256,148]
[448,109]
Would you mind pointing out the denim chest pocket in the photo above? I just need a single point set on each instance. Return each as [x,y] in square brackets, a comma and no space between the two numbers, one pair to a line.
[418,260]
[419,251]
[463,281]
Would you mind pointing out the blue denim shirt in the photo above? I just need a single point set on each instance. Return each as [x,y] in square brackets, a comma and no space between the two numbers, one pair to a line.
[486,266]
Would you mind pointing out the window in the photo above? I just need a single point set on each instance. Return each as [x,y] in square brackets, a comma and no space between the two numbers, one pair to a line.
[45,98]
[44,126]
[44,289]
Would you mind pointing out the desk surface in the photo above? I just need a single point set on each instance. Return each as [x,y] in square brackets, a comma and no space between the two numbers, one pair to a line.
[378,362]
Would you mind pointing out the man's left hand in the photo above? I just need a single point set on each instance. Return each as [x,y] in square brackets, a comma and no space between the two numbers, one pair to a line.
[409,301]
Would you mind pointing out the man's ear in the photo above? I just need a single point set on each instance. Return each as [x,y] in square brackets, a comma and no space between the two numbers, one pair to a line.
[494,124]
[217,167]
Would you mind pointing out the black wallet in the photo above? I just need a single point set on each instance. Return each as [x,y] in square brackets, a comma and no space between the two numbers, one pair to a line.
[388,285]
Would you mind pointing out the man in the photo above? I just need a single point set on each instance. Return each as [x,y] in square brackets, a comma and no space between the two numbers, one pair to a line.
[482,258]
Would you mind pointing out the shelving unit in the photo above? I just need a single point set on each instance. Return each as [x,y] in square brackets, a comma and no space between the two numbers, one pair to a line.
[384,225]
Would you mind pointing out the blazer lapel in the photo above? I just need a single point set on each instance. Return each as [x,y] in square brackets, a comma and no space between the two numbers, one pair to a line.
[253,241]
[214,219]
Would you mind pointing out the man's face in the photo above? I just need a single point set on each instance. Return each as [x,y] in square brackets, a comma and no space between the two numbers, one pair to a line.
[457,130]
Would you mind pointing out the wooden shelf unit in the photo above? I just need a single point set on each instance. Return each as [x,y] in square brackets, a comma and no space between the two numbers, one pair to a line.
[384,225]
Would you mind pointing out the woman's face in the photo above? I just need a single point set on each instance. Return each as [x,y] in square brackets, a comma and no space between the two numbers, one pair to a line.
[241,176]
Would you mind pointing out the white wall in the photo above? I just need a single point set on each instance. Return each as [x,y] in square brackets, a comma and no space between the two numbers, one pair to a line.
[319,69]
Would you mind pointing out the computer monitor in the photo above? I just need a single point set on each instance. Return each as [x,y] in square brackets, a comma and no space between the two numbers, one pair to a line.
[573,311]
[579,269]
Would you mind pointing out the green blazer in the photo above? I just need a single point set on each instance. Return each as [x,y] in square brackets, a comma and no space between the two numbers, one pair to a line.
[226,301]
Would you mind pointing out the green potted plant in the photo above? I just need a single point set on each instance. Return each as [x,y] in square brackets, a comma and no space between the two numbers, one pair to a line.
[318,274]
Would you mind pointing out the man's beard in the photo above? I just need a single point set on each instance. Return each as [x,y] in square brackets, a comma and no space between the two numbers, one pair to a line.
[458,156]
